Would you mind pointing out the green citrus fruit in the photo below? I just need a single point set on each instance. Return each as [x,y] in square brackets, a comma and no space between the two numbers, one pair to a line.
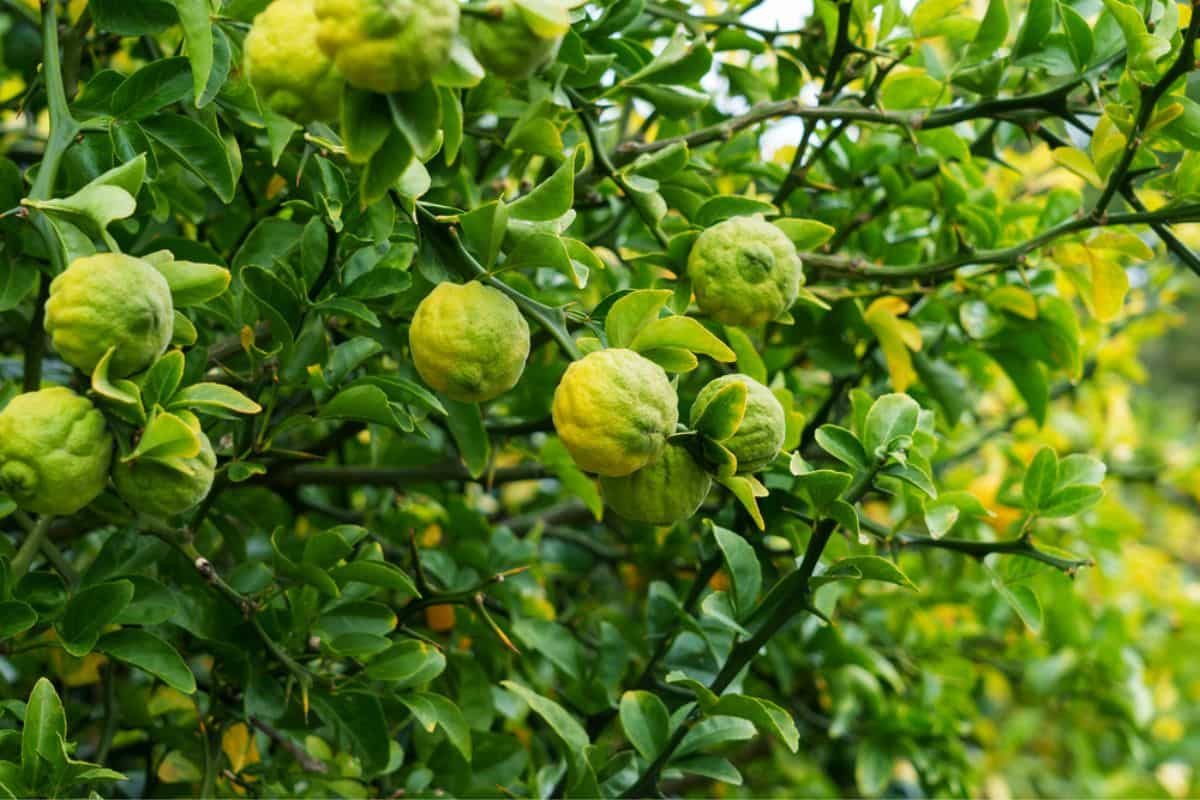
[506,46]
[387,45]
[155,488]
[469,341]
[662,492]
[110,300]
[744,271]
[614,410]
[54,451]
[288,71]
[760,436]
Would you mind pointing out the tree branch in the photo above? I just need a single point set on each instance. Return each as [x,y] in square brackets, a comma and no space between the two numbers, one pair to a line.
[317,475]
[1184,63]
[1022,546]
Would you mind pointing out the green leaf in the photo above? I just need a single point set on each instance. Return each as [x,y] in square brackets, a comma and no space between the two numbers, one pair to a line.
[1021,599]
[913,475]
[88,612]
[661,164]
[909,89]
[484,229]
[547,251]
[714,731]
[1039,19]
[214,397]
[433,710]
[123,394]
[554,642]
[744,569]
[465,421]
[723,207]
[92,208]
[45,727]
[197,35]
[166,436]
[684,333]
[385,168]
[359,717]
[375,573]
[806,234]
[407,664]
[749,360]
[15,617]
[17,279]
[1071,500]
[744,488]
[550,199]
[193,284]
[843,445]
[766,716]
[645,721]
[891,419]
[871,568]
[1030,379]
[417,114]
[631,313]
[150,654]
[366,123]
[1080,469]
[992,31]
[151,88]
[1040,479]
[568,729]
[724,413]
[196,148]
[1080,40]
[822,487]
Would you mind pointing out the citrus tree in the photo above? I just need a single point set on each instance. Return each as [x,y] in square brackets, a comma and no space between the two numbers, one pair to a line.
[528,398]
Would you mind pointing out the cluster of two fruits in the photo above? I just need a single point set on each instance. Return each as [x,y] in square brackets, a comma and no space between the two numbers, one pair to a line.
[56,450]
[300,54]
[614,409]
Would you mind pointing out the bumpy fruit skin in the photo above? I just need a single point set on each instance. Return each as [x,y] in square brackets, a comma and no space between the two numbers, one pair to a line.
[661,493]
[387,45]
[744,271]
[110,300]
[469,341]
[55,450]
[760,436]
[288,71]
[506,46]
[157,489]
[613,411]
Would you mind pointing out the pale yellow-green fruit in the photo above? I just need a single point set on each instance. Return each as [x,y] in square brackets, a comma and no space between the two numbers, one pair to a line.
[668,490]
[744,271]
[288,71]
[469,341]
[110,300]
[387,45]
[614,410]
[55,450]
[506,46]
[154,488]
[760,436]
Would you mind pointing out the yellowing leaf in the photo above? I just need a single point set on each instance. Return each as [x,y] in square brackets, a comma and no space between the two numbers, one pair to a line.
[896,338]
[1078,162]
[1014,299]
[1110,284]
[1122,242]
[239,747]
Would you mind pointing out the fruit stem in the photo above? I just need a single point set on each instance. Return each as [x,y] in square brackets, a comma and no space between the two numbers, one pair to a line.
[30,547]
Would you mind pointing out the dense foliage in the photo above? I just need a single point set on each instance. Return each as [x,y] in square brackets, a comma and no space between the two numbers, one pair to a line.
[362,314]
